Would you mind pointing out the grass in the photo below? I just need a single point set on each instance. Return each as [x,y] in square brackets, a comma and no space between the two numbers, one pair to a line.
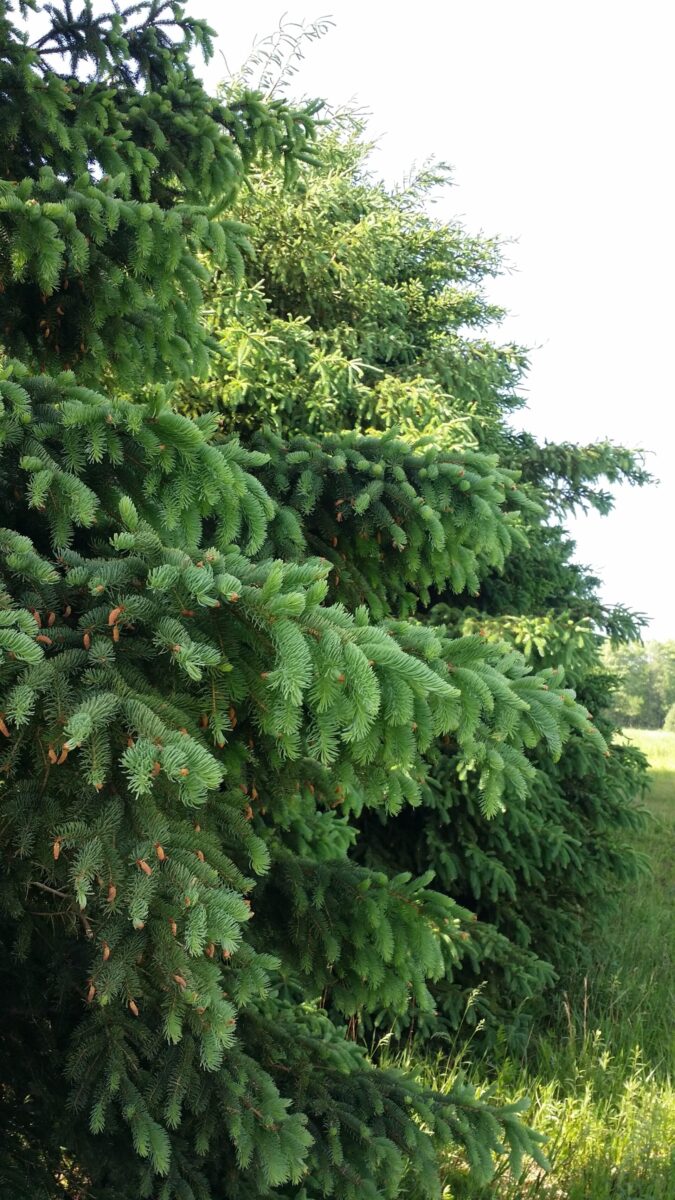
[600,1081]
[660,750]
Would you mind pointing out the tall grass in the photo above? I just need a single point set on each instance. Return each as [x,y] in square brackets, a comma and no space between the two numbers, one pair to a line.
[600,1078]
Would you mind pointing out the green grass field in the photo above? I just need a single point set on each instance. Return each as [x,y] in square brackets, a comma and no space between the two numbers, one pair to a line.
[601,1080]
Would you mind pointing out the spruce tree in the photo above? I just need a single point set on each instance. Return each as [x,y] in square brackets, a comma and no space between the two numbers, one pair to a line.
[361,310]
[193,721]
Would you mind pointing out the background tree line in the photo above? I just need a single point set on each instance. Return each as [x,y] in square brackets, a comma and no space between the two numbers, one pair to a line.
[644,696]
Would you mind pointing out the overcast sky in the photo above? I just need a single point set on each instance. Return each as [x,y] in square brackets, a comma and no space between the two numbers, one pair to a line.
[558,121]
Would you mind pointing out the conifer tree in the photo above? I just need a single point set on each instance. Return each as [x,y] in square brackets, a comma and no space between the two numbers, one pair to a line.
[361,310]
[192,720]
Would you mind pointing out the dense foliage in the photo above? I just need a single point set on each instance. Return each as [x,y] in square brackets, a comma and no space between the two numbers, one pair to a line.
[118,170]
[223,666]
[362,310]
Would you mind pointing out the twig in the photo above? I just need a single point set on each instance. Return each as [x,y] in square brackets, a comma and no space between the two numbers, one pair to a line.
[86,924]
[44,887]
[83,918]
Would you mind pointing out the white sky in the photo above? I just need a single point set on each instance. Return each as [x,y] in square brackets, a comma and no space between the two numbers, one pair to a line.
[558,120]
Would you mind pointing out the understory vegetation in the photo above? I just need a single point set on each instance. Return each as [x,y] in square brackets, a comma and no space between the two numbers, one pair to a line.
[601,1078]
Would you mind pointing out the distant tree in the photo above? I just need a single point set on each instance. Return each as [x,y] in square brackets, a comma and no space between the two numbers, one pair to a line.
[646,688]
[664,672]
